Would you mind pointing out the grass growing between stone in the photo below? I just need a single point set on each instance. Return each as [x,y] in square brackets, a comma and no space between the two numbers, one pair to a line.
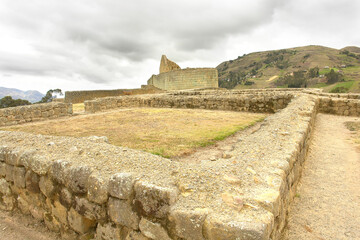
[354,127]
[165,132]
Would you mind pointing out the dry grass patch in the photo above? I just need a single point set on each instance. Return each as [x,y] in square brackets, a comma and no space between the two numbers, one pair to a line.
[78,107]
[166,132]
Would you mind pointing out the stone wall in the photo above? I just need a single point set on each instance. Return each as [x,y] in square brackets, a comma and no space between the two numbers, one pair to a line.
[81,96]
[190,78]
[221,100]
[85,188]
[32,113]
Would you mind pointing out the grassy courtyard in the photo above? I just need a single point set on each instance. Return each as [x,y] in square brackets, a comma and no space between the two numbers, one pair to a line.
[166,132]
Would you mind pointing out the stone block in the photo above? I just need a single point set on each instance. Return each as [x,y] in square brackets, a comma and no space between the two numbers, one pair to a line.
[13,157]
[60,212]
[77,177]
[215,229]
[90,210]
[189,223]
[47,186]
[80,223]
[134,235]
[4,150]
[107,232]
[120,212]
[40,164]
[5,187]
[98,188]
[2,169]
[37,212]
[32,181]
[68,234]
[23,205]
[153,230]
[154,201]
[7,203]
[121,185]
[19,177]
[57,170]
[66,197]
[9,173]
[52,223]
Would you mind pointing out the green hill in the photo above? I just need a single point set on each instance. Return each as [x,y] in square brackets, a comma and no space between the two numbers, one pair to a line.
[311,66]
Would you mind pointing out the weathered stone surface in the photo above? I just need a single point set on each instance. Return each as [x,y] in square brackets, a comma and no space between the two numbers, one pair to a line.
[3,152]
[47,186]
[153,230]
[68,234]
[153,200]
[2,169]
[40,164]
[107,232]
[166,65]
[13,157]
[77,177]
[134,235]
[80,223]
[57,170]
[8,203]
[120,212]
[52,223]
[37,212]
[23,205]
[19,177]
[90,210]
[66,197]
[121,185]
[215,229]
[98,188]
[189,223]
[4,187]
[9,175]
[32,181]
[60,212]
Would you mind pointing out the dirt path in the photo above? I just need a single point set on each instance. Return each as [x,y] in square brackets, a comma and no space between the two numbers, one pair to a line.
[15,226]
[327,205]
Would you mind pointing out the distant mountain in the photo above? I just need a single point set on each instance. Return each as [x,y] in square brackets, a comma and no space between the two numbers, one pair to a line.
[267,69]
[31,95]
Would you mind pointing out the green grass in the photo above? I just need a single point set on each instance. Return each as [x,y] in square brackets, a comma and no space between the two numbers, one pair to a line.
[325,71]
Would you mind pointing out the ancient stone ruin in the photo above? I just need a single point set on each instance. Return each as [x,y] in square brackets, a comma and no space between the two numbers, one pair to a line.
[172,77]
[85,188]
[166,65]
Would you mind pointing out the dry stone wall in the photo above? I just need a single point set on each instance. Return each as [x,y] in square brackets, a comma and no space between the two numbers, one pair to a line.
[85,188]
[190,78]
[32,113]
[216,100]
[81,96]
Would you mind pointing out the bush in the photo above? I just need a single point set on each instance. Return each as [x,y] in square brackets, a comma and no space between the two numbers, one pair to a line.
[333,77]
[8,101]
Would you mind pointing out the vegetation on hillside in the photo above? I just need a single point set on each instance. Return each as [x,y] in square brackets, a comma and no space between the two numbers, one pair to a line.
[311,66]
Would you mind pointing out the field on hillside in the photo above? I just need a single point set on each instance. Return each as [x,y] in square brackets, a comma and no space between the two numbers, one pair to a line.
[263,69]
[166,132]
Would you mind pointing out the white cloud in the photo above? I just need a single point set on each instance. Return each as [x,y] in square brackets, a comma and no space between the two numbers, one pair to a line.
[89,44]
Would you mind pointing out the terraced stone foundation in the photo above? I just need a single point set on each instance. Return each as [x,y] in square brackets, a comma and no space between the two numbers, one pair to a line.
[86,188]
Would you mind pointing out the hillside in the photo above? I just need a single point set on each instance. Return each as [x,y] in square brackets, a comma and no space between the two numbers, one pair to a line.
[274,68]
[31,95]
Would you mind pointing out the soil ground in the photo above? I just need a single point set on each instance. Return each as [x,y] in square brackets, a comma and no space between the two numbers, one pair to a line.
[327,205]
[15,226]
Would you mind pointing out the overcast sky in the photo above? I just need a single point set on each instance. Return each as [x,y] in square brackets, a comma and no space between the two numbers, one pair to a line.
[109,44]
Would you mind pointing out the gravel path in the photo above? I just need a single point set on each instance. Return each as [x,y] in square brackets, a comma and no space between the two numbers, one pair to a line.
[327,205]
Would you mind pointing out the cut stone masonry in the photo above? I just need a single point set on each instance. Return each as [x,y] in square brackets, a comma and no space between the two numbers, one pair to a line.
[85,188]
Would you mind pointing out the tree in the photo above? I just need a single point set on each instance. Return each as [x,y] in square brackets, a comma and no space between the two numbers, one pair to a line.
[333,77]
[8,101]
[49,95]
[313,72]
